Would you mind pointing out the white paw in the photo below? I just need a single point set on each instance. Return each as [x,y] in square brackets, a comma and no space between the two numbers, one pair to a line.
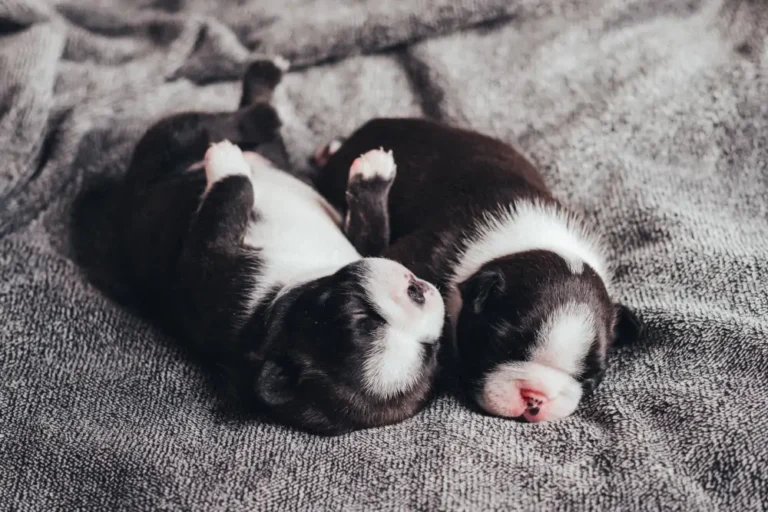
[375,164]
[324,153]
[282,63]
[224,159]
[334,146]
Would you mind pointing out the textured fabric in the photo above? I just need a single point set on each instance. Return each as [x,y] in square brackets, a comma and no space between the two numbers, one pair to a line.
[649,116]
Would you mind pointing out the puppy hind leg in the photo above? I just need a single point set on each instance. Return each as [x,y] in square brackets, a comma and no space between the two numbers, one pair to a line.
[175,142]
[257,122]
[260,80]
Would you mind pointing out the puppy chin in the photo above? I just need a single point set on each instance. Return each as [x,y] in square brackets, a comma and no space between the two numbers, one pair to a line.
[387,286]
[395,361]
[529,390]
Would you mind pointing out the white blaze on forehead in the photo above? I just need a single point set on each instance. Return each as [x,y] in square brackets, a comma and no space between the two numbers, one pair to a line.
[532,225]
[565,338]
[395,360]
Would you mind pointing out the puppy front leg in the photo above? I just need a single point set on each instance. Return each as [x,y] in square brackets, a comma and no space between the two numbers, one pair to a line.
[367,221]
[212,287]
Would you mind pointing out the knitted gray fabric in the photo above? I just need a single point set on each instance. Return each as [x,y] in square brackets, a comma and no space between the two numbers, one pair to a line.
[650,116]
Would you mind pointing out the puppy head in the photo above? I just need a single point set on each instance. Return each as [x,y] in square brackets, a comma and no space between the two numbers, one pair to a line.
[533,334]
[353,350]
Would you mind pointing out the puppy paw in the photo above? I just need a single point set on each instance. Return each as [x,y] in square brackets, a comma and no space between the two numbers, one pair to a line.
[224,159]
[261,78]
[282,63]
[376,165]
[324,153]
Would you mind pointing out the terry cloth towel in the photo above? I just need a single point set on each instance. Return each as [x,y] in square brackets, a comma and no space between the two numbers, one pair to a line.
[651,117]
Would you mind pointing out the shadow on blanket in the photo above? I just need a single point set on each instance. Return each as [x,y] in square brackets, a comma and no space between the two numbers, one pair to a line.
[94,240]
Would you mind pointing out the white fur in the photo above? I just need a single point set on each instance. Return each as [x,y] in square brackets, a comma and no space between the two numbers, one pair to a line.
[376,163]
[501,393]
[282,63]
[222,160]
[561,345]
[334,146]
[395,360]
[299,239]
[532,225]
[324,153]
[297,232]
[256,161]
[565,338]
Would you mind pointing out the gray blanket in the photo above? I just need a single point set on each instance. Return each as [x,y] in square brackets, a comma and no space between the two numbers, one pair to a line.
[650,116]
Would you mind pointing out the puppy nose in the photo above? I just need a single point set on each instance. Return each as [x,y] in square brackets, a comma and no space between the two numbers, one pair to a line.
[534,401]
[416,290]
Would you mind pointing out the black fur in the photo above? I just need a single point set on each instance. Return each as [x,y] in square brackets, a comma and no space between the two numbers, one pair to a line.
[367,224]
[447,178]
[298,355]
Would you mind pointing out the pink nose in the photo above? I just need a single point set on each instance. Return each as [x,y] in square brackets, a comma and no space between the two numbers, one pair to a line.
[535,401]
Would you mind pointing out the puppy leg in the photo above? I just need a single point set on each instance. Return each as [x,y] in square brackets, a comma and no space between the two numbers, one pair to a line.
[225,211]
[181,140]
[223,160]
[212,288]
[260,80]
[367,221]
[324,153]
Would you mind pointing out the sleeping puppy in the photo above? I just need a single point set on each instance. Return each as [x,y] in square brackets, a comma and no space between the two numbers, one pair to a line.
[526,281]
[251,266]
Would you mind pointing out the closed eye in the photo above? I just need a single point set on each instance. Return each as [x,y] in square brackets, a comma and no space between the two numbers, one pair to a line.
[368,315]
[367,321]
[504,330]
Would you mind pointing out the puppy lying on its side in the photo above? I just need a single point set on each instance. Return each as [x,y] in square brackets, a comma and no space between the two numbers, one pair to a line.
[526,281]
[252,267]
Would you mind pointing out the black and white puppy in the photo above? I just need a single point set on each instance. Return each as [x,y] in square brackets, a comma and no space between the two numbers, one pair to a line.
[253,268]
[526,281]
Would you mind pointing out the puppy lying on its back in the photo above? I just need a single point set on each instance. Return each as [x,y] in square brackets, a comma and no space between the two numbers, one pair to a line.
[252,267]
[526,282]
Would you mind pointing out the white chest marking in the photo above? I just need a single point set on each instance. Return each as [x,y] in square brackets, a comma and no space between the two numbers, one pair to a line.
[297,232]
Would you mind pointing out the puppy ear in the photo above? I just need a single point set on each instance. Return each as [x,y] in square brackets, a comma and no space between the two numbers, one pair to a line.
[275,384]
[629,328]
[479,288]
